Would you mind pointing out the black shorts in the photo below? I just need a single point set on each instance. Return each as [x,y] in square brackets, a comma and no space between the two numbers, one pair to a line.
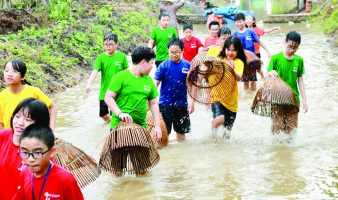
[177,116]
[158,62]
[103,108]
[229,117]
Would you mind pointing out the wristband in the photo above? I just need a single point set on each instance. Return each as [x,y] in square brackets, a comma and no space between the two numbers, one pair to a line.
[119,114]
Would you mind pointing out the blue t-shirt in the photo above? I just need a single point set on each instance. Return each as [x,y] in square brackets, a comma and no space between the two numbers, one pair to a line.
[173,82]
[248,39]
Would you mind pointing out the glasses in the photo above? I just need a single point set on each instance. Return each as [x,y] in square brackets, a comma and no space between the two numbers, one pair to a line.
[109,45]
[175,52]
[35,155]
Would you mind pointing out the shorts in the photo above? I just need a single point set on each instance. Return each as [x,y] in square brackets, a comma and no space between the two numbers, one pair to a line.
[258,55]
[158,62]
[177,116]
[229,117]
[252,77]
[103,108]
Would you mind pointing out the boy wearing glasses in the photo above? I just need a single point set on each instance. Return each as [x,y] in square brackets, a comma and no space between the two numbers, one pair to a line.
[212,39]
[172,75]
[289,67]
[41,178]
[108,63]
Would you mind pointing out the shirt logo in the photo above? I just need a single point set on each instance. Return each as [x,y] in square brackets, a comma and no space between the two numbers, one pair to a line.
[248,37]
[147,88]
[51,196]
[118,63]
[193,46]
[295,69]
[185,70]
[170,36]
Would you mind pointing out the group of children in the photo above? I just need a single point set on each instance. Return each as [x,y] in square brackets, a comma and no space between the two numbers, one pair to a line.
[28,115]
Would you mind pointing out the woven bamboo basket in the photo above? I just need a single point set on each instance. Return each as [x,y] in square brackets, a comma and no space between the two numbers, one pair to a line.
[253,63]
[82,166]
[150,130]
[128,149]
[273,95]
[203,80]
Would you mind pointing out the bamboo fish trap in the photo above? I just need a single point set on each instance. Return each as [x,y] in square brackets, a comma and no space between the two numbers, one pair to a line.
[82,166]
[253,63]
[128,149]
[150,130]
[209,77]
[273,95]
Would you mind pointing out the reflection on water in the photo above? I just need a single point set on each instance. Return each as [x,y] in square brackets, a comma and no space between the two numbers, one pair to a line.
[251,165]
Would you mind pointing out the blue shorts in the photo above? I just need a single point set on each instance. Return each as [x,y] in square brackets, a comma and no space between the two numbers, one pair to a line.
[229,117]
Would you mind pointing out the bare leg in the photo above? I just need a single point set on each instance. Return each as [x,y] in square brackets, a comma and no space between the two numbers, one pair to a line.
[253,85]
[246,85]
[217,121]
[180,137]
[106,118]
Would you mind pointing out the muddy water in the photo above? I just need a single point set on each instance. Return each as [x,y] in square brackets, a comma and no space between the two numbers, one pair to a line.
[252,164]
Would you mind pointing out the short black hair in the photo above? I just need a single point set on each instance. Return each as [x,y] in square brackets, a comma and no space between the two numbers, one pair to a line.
[293,36]
[142,53]
[36,110]
[176,42]
[163,14]
[224,31]
[40,132]
[110,36]
[239,16]
[214,23]
[187,26]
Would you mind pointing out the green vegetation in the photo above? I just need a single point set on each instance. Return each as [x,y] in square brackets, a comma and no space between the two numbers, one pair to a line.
[70,38]
[278,8]
[326,18]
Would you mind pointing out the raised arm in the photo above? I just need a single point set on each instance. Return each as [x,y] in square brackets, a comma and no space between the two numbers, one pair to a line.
[151,43]
[265,48]
[52,114]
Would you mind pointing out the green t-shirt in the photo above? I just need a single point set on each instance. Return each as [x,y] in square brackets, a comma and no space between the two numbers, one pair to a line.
[109,65]
[288,70]
[132,96]
[161,39]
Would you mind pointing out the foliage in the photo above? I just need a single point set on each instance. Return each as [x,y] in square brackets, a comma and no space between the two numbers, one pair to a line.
[72,38]
[278,8]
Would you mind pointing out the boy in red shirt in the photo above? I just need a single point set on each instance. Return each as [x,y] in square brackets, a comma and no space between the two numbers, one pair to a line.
[41,178]
[212,39]
[192,45]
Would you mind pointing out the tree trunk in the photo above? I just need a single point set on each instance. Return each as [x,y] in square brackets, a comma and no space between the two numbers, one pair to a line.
[5,4]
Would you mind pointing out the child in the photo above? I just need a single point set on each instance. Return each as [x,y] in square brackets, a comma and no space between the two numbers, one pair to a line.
[248,38]
[17,90]
[41,177]
[250,22]
[223,34]
[108,63]
[171,8]
[289,67]
[212,39]
[192,45]
[172,75]
[160,37]
[130,90]
[28,111]
[224,109]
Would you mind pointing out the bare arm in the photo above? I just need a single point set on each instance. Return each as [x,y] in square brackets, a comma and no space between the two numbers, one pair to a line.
[155,110]
[90,80]
[232,67]
[302,93]
[1,126]
[52,113]
[265,48]
[151,43]
[111,103]
[157,83]
[271,29]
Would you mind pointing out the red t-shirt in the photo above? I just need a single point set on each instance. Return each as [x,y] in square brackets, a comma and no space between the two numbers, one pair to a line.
[209,41]
[10,165]
[191,48]
[259,32]
[60,185]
